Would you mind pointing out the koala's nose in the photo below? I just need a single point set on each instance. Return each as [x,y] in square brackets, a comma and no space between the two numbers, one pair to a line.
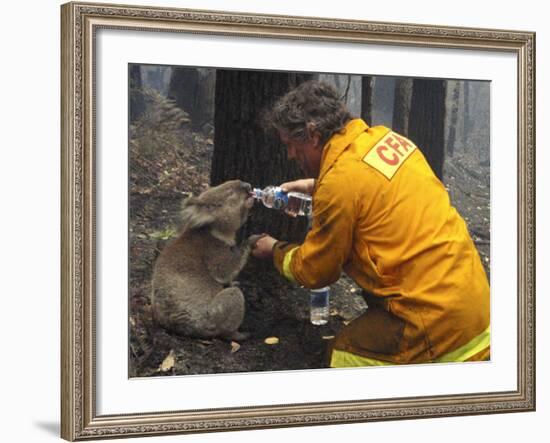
[246,186]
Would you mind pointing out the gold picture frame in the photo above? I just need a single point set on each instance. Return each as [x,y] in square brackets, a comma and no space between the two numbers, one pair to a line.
[80,22]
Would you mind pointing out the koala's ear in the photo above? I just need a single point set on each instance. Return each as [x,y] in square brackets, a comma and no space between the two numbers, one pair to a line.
[195,215]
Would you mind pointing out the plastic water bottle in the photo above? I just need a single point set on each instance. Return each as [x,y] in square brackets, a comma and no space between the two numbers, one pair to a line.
[295,203]
[319,305]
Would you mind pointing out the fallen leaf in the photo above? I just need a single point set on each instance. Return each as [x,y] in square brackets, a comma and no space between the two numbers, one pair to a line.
[328,337]
[163,235]
[235,347]
[271,341]
[168,363]
[353,290]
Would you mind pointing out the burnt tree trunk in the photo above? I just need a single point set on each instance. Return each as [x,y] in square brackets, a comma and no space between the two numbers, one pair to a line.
[427,121]
[453,121]
[467,122]
[137,100]
[402,105]
[345,97]
[367,89]
[243,150]
[191,89]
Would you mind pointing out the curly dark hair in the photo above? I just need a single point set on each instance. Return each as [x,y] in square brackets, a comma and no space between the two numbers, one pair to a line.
[313,106]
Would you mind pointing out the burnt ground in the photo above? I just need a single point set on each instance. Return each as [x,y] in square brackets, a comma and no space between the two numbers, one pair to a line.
[274,308]
[468,183]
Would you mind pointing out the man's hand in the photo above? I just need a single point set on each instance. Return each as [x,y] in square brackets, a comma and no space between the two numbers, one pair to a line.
[253,239]
[263,247]
[305,186]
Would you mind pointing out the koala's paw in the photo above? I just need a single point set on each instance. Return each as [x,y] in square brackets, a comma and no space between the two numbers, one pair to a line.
[253,239]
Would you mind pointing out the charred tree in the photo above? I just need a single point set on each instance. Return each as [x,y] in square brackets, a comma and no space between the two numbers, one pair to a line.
[427,121]
[345,97]
[242,148]
[191,89]
[367,89]
[468,121]
[453,121]
[402,105]
[137,100]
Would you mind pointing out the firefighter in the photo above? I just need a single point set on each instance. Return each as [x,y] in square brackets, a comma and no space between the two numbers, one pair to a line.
[381,216]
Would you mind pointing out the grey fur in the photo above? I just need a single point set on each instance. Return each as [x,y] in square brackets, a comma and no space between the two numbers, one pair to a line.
[193,289]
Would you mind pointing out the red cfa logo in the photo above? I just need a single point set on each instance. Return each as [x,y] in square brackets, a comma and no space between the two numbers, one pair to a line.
[389,153]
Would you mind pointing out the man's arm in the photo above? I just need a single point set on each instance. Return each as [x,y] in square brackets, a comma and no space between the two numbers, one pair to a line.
[320,259]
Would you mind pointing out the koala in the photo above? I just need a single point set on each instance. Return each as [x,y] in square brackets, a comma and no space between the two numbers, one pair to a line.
[193,289]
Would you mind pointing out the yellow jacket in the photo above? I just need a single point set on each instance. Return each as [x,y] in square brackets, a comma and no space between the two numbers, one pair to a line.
[381,215]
